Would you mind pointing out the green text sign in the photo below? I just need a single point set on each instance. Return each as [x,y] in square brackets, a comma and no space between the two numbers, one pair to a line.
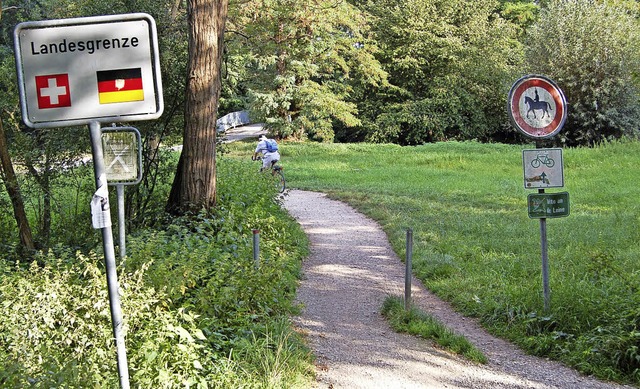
[548,205]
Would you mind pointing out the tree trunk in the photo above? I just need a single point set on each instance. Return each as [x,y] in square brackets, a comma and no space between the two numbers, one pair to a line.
[13,188]
[43,178]
[194,186]
[45,232]
[174,9]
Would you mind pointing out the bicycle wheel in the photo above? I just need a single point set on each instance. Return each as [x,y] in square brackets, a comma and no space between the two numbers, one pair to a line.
[550,162]
[278,177]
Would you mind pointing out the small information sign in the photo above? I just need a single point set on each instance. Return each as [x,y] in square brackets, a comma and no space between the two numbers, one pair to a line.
[122,148]
[548,205]
[543,168]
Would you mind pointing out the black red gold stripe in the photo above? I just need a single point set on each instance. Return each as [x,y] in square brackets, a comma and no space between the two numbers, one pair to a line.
[120,85]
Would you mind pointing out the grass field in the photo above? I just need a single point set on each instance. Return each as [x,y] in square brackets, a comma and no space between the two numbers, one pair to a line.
[475,245]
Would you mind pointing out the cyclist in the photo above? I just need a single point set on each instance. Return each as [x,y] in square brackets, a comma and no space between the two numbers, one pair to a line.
[270,154]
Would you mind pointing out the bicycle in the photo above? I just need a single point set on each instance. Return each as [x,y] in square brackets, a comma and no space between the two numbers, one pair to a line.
[542,159]
[277,172]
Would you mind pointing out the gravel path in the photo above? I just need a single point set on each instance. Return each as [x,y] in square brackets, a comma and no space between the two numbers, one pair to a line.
[350,271]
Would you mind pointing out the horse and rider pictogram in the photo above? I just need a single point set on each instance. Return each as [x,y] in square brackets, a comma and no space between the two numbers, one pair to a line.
[536,104]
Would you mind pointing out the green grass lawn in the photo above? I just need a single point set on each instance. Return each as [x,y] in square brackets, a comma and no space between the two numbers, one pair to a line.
[475,245]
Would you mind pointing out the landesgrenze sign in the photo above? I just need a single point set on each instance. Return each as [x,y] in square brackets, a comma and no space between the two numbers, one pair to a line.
[75,71]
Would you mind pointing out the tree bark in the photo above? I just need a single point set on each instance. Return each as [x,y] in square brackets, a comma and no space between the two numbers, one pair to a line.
[194,186]
[13,188]
[174,9]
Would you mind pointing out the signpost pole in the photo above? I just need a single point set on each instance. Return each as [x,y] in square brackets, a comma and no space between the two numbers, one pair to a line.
[544,249]
[121,226]
[110,261]
[545,260]
[537,108]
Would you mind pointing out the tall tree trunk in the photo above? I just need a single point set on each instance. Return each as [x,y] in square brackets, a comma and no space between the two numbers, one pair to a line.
[194,186]
[13,188]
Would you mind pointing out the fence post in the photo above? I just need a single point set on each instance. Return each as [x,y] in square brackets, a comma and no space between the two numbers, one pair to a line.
[407,272]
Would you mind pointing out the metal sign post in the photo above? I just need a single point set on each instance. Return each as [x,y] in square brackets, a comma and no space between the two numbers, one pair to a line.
[122,239]
[544,248]
[102,220]
[408,270]
[547,205]
[543,168]
[538,109]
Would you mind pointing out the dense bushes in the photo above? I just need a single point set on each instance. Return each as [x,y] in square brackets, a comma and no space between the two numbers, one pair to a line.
[591,49]
[196,306]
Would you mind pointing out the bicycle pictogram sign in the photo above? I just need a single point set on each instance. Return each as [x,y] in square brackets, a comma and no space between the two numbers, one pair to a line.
[543,168]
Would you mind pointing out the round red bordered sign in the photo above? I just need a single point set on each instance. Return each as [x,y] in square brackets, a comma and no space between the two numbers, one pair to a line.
[537,107]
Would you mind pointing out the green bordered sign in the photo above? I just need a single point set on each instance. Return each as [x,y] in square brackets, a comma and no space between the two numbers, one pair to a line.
[548,205]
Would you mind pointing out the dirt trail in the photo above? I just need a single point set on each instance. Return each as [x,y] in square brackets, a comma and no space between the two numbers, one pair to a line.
[350,271]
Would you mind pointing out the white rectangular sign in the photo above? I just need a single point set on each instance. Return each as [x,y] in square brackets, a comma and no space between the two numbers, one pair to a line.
[543,168]
[122,155]
[75,71]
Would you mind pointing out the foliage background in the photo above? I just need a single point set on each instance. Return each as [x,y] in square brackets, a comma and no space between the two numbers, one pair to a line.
[410,72]
[591,49]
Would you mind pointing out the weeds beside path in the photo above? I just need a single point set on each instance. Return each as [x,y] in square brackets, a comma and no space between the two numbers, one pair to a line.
[350,271]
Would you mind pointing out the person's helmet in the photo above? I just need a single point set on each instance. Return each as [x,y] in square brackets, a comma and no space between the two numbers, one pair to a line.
[263,137]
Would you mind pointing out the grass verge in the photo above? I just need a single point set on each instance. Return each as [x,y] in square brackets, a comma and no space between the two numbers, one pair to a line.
[416,322]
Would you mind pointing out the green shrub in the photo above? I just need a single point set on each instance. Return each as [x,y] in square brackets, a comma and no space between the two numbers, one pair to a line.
[198,310]
[56,324]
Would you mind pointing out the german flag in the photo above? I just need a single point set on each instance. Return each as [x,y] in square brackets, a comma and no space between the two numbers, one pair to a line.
[120,85]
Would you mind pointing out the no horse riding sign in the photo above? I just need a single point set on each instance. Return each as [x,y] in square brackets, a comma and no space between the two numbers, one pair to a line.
[537,107]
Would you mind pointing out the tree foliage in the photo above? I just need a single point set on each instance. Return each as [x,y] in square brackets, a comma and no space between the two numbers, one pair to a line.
[404,71]
[521,13]
[451,62]
[303,60]
[592,50]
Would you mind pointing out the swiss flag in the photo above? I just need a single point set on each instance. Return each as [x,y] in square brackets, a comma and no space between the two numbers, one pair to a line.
[53,91]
